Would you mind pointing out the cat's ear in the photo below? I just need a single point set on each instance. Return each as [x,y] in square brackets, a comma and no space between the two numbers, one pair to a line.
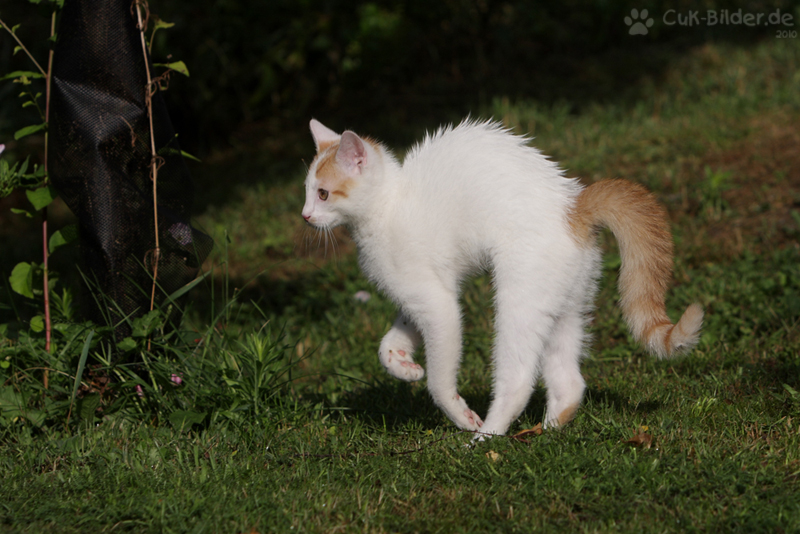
[352,153]
[323,136]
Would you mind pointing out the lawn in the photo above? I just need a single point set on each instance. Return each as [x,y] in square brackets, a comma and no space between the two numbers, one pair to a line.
[284,420]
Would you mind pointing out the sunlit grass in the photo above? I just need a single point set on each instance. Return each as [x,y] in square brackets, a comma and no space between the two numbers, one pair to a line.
[343,447]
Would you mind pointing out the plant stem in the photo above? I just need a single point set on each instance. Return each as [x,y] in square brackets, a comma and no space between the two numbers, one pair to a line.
[22,46]
[46,285]
[149,90]
[45,251]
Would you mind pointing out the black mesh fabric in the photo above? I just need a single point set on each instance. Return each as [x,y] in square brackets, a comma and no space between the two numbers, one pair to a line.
[100,160]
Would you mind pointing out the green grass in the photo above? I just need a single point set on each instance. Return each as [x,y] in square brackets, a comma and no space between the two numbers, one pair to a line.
[344,448]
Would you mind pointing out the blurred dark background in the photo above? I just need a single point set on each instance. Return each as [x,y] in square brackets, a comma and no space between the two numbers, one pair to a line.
[391,69]
[260,70]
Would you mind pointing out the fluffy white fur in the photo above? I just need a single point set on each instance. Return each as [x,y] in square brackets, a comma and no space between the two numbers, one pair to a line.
[474,197]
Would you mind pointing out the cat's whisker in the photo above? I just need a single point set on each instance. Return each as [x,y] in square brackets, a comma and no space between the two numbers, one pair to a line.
[323,236]
[310,234]
[330,238]
[327,240]
[333,243]
[318,234]
[306,240]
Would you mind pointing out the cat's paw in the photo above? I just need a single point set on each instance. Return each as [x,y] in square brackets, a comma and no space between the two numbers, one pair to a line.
[400,364]
[463,416]
[480,437]
[475,422]
[560,414]
[397,349]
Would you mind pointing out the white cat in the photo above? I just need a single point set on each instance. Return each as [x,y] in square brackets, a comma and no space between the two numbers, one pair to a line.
[476,197]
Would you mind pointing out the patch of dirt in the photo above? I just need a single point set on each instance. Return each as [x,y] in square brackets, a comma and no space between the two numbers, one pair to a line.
[760,208]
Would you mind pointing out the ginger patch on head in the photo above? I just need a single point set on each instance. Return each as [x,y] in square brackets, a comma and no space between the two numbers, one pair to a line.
[330,175]
[325,145]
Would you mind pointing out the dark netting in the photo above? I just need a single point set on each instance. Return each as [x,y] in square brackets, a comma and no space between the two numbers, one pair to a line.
[100,163]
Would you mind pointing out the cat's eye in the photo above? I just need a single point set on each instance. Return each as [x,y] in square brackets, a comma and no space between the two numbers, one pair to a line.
[323,194]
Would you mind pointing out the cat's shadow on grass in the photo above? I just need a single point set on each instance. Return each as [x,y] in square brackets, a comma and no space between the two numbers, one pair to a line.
[596,397]
[393,405]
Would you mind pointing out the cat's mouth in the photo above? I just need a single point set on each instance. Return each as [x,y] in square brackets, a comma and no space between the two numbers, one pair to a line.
[315,224]
[325,238]
[321,221]
[312,220]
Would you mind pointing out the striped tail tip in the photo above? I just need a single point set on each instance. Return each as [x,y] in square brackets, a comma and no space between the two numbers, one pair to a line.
[670,340]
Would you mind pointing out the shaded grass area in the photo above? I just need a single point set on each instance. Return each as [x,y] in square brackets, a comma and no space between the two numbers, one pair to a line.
[345,448]
[717,106]
[720,458]
[348,474]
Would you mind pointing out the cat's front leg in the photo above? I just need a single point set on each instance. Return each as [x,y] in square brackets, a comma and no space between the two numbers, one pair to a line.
[437,314]
[397,350]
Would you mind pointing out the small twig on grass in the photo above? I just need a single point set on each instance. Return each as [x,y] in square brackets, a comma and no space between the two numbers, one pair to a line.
[536,430]
[21,372]
[155,161]
[390,453]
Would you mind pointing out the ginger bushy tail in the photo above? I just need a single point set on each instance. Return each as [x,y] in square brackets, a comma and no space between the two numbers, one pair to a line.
[640,225]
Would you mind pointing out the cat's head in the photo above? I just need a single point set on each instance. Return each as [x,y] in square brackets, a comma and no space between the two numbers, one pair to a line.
[339,176]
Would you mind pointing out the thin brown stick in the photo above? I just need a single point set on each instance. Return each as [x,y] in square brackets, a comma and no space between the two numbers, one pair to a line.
[20,372]
[45,251]
[46,285]
[22,46]
[149,91]
[388,453]
[519,437]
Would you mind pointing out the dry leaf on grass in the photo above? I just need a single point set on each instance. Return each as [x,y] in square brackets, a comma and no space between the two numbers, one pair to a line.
[534,431]
[641,439]
[493,456]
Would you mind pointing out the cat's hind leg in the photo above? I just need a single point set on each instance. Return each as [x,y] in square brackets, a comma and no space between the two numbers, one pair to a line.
[561,370]
[523,323]
[397,349]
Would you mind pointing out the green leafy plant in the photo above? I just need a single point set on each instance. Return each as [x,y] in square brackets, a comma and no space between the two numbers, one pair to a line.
[253,368]
[185,378]
[713,204]
[54,369]
[36,183]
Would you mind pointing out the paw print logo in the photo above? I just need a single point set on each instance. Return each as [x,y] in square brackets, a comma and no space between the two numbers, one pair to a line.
[638,22]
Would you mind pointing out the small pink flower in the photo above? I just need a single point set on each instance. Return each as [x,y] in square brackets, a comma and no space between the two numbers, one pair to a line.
[362,296]
[2,147]
[139,391]
[176,379]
